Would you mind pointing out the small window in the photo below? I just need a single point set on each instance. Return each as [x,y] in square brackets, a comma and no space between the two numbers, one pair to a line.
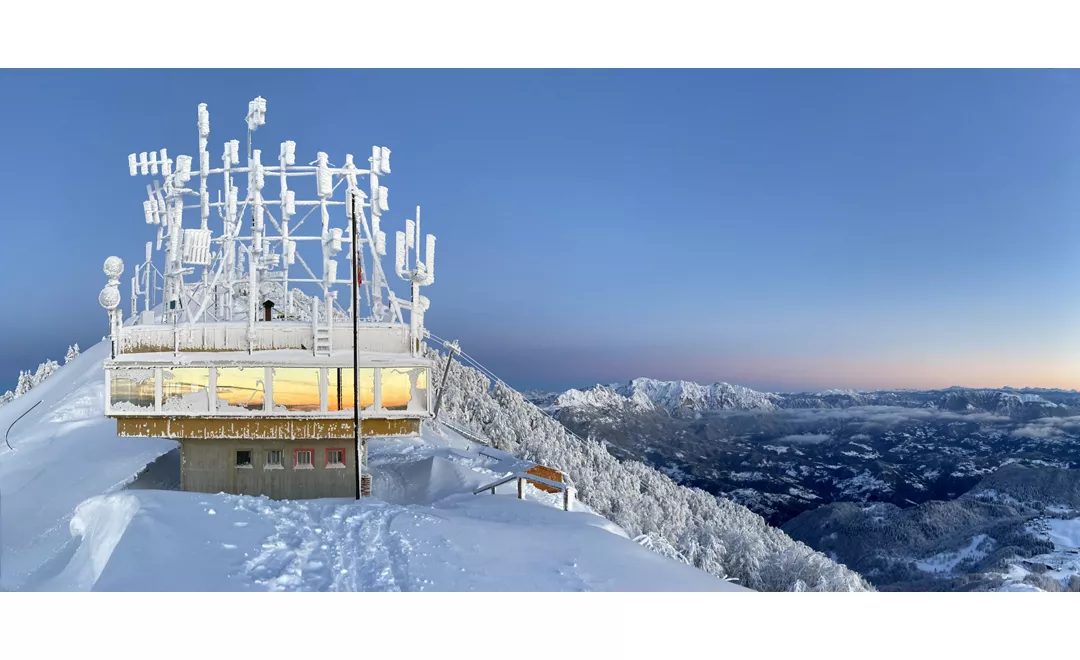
[303,459]
[335,458]
[273,460]
[243,458]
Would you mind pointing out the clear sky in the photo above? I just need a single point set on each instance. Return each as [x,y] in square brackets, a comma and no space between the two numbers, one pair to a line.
[779,229]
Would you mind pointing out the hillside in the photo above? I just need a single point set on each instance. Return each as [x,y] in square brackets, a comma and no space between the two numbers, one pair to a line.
[85,510]
[1017,528]
[716,535]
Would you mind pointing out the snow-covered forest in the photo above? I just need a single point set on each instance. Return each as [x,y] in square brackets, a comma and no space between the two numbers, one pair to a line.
[714,534]
[28,380]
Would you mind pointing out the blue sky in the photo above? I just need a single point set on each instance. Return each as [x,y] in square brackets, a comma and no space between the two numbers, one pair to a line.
[781,229]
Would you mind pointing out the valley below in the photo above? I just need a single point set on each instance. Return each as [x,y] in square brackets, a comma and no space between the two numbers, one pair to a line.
[955,489]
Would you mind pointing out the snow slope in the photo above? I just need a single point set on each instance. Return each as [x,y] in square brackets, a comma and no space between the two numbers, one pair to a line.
[63,452]
[69,523]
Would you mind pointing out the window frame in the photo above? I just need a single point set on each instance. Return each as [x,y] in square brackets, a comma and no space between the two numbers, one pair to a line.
[296,456]
[335,466]
[267,372]
[280,465]
[251,460]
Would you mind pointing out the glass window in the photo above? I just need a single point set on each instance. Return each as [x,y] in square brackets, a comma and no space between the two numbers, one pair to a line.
[339,389]
[131,390]
[240,388]
[335,458]
[296,389]
[404,389]
[185,389]
[302,458]
[273,458]
[243,458]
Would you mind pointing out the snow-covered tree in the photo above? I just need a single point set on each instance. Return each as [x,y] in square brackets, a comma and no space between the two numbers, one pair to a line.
[44,370]
[25,384]
[72,353]
[714,534]
[28,380]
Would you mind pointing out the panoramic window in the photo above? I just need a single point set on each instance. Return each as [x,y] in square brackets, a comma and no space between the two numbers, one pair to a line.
[335,458]
[339,389]
[131,390]
[240,388]
[296,389]
[243,458]
[185,389]
[303,459]
[273,460]
[404,389]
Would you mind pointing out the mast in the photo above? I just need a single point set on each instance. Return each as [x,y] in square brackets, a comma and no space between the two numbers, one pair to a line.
[356,336]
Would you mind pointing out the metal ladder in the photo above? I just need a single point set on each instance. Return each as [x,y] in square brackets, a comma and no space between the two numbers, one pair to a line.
[320,331]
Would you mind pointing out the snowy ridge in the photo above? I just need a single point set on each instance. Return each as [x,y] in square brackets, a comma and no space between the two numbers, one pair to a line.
[673,397]
[682,398]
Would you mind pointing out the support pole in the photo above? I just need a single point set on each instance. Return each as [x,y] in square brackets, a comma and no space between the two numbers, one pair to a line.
[521,488]
[356,336]
[442,386]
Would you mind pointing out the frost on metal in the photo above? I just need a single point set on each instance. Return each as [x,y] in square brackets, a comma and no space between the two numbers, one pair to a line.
[240,235]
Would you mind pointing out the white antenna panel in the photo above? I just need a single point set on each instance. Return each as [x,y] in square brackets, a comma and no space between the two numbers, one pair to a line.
[399,254]
[196,247]
[429,258]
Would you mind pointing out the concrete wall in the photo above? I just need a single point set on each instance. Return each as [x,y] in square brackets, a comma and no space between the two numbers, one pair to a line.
[209,466]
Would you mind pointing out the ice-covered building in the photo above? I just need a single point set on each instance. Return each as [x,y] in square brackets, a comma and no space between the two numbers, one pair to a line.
[246,341]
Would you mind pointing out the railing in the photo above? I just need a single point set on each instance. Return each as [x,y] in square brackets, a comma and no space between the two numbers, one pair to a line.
[522,478]
[233,336]
[465,433]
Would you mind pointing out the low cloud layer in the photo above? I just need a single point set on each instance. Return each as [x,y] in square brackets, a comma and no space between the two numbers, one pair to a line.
[805,438]
[1048,428]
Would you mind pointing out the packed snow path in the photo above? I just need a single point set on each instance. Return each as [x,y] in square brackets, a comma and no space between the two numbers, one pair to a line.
[174,541]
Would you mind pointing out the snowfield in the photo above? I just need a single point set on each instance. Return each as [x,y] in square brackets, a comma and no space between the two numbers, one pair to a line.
[64,451]
[70,521]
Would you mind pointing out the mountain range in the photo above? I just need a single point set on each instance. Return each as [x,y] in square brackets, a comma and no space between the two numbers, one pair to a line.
[903,456]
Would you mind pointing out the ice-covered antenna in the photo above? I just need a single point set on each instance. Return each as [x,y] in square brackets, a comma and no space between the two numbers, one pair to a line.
[109,298]
[256,115]
[264,214]
[421,274]
[423,268]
